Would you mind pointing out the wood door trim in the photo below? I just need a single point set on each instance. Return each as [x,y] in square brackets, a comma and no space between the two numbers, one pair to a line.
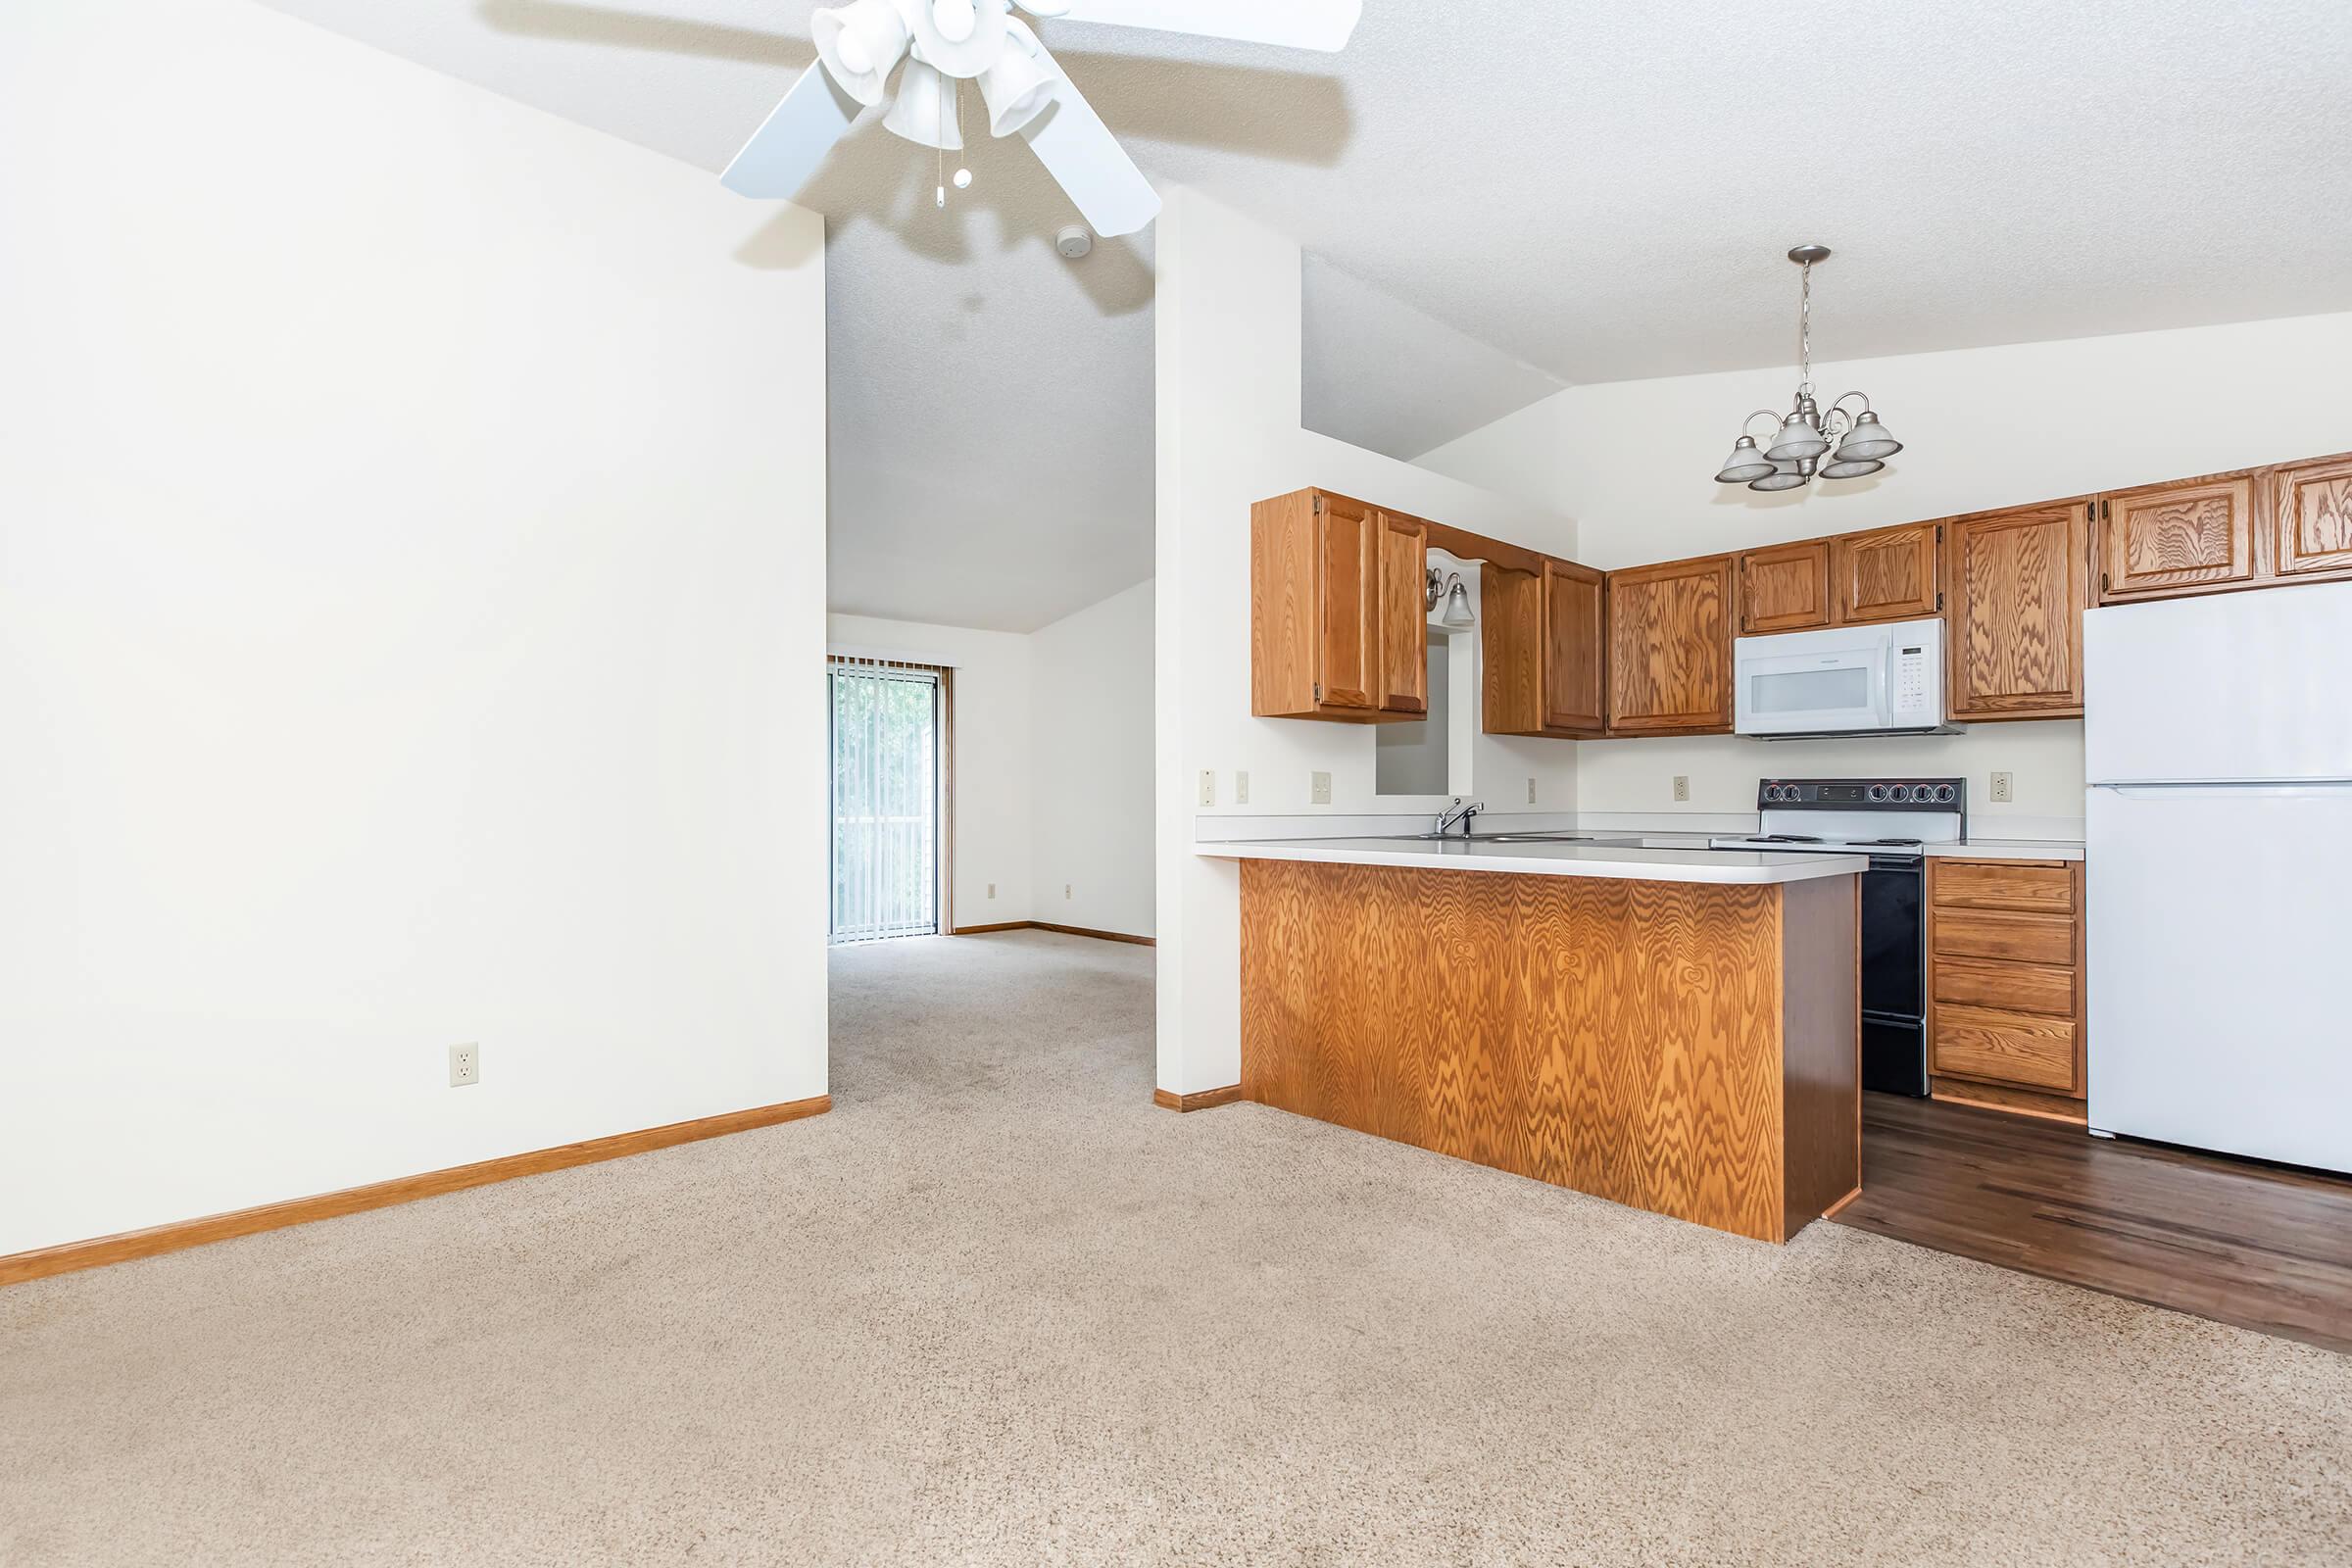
[1205,1099]
[179,1235]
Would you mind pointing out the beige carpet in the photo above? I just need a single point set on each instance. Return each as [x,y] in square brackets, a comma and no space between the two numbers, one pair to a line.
[997,1309]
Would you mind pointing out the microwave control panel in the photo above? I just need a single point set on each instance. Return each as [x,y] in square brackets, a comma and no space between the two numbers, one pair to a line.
[1911,677]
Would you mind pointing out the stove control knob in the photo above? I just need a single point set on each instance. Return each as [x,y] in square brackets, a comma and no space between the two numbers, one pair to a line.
[1945,794]
[1878,792]
[1902,792]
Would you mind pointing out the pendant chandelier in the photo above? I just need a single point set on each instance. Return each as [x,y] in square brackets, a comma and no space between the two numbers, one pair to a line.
[1799,438]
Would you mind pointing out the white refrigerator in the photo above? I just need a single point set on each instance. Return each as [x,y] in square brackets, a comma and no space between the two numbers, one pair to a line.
[2218,736]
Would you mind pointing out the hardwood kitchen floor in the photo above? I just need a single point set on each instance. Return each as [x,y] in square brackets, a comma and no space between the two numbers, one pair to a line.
[2259,1246]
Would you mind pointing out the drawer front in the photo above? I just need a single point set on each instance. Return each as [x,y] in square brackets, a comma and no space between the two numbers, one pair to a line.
[2012,987]
[2010,1047]
[2005,885]
[2048,939]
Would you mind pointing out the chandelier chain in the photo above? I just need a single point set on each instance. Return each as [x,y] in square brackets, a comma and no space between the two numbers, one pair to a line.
[1804,330]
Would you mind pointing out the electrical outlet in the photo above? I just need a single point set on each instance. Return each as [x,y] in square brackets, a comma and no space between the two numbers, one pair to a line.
[2005,788]
[1682,786]
[464,1065]
[1318,789]
[1208,787]
[992,890]
[1240,789]
[1531,792]
[1066,890]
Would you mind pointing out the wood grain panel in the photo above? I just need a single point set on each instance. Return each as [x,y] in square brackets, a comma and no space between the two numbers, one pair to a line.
[1821,1033]
[1347,604]
[1204,1100]
[1282,607]
[2017,987]
[1996,934]
[2170,539]
[2019,583]
[2043,887]
[1886,574]
[2015,1048]
[184,1234]
[2312,518]
[1510,610]
[2010,1099]
[1786,588]
[1622,1038]
[1670,648]
[1575,659]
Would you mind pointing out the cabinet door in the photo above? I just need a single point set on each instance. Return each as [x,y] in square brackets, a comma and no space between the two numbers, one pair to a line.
[1510,607]
[1402,634]
[2312,517]
[1886,574]
[1670,648]
[1786,588]
[1575,694]
[1347,604]
[2017,581]
[2170,539]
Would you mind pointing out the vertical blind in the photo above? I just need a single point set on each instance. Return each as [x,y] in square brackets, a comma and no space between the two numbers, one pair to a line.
[885,724]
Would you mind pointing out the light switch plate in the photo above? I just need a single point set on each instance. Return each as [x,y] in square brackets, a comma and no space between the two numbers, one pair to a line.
[1208,787]
[2005,788]
[1531,792]
[1241,788]
[1319,789]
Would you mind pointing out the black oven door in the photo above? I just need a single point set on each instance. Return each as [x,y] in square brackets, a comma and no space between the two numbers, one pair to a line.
[1895,1029]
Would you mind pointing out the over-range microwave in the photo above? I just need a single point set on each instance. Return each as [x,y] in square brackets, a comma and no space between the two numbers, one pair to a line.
[1885,679]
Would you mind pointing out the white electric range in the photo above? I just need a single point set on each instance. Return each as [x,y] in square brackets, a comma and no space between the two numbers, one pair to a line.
[1893,821]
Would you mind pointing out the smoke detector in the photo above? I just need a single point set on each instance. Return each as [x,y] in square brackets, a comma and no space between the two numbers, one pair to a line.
[1073,242]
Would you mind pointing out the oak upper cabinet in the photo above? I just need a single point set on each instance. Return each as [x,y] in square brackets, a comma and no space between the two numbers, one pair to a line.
[1888,573]
[2018,582]
[2311,514]
[1670,648]
[2164,540]
[1785,588]
[1338,621]
[1545,656]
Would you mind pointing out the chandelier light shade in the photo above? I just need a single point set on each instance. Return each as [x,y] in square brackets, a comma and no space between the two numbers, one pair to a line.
[1018,87]
[1457,616]
[924,112]
[1799,437]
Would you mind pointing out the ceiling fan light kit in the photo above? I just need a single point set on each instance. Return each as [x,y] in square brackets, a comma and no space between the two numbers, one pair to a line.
[944,43]
[1800,437]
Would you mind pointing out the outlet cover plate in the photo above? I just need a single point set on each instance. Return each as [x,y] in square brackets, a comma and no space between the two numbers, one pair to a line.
[464,1065]
[1318,789]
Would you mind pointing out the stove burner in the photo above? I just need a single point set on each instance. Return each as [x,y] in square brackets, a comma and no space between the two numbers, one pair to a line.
[1888,844]
[1786,838]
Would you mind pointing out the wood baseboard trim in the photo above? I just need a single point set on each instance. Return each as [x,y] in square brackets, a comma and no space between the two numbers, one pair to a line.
[2065,1109]
[1203,1101]
[1832,1212]
[67,1257]
[1065,930]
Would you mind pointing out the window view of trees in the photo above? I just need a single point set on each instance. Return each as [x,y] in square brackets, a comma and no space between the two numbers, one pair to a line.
[885,761]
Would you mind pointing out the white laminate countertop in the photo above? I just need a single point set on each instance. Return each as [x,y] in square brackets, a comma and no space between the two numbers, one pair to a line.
[1748,866]
[2009,850]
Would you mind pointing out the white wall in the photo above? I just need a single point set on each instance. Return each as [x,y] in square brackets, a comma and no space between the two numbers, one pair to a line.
[412,518]
[990,795]
[1634,462]
[1090,781]
[1227,326]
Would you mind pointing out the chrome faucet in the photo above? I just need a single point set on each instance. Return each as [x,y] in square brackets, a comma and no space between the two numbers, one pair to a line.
[1459,810]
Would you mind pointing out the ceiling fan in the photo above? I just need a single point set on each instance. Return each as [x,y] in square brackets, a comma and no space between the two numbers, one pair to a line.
[948,42]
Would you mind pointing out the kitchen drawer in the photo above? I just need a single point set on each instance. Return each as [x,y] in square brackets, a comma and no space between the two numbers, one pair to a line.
[2009,1047]
[2005,885]
[2013,986]
[2048,939]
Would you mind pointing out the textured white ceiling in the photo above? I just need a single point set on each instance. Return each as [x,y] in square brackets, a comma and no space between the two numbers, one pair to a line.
[1603,191]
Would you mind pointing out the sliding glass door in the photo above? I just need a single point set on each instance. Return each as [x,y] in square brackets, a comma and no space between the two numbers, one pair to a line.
[885,753]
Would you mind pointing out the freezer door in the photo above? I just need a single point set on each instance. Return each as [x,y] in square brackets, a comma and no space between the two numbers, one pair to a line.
[2219,932]
[2228,686]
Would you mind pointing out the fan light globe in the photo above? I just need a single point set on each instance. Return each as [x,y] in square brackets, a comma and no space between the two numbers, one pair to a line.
[924,112]
[1745,463]
[1797,439]
[859,43]
[1016,88]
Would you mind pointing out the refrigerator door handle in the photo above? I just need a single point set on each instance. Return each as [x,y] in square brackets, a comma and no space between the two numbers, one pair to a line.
[2208,789]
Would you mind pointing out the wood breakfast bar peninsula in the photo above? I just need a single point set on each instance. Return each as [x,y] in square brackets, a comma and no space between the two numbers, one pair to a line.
[1674,1029]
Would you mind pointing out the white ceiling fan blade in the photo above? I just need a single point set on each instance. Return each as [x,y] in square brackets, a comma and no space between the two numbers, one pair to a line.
[1072,142]
[794,138]
[1297,23]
